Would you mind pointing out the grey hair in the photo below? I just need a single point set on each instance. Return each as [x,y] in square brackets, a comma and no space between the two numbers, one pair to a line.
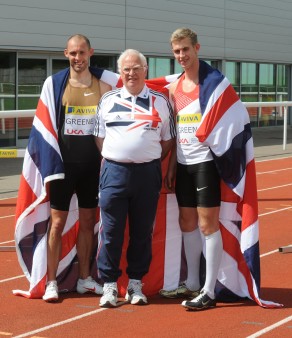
[128,52]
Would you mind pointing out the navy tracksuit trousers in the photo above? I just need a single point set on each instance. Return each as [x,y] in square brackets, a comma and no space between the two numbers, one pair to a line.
[127,191]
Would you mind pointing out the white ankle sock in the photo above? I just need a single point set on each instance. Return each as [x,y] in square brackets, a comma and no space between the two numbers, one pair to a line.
[193,248]
[214,250]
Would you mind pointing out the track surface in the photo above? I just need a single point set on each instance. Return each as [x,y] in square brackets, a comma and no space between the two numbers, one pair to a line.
[80,316]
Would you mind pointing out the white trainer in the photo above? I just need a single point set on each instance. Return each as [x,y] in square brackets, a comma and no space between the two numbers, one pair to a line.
[134,293]
[51,294]
[110,295]
[88,285]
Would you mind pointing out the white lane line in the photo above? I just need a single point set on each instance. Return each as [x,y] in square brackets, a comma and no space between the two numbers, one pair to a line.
[1,217]
[269,253]
[276,187]
[285,320]
[7,198]
[12,278]
[6,242]
[5,334]
[272,171]
[70,320]
[268,213]
[44,328]
[270,328]
[274,211]
[274,159]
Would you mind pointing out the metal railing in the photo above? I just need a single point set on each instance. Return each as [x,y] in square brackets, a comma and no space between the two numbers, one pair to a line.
[283,105]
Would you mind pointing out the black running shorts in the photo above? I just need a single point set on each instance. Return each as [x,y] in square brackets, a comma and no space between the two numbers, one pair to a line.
[80,178]
[198,185]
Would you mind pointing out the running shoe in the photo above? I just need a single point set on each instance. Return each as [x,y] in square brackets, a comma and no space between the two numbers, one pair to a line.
[181,292]
[51,294]
[134,293]
[89,285]
[201,302]
[110,295]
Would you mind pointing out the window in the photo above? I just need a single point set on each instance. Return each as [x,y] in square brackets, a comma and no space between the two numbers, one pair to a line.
[158,67]
[7,98]
[249,89]
[107,62]
[58,65]
[249,77]
[267,91]
[281,92]
[232,71]
[32,73]
[177,68]
[282,83]
[31,76]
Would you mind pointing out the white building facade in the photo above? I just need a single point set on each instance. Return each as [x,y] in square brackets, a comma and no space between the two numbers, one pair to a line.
[248,40]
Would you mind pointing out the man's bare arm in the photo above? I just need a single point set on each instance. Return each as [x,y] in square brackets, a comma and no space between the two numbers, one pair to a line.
[99,142]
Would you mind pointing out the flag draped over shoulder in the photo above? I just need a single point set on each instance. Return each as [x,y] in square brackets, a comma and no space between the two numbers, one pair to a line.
[43,164]
[225,129]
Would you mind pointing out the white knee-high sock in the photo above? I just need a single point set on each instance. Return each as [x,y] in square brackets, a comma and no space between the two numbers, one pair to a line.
[193,248]
[214,251]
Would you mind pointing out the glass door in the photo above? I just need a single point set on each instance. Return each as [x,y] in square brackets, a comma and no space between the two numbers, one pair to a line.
[31,74]
[32,71]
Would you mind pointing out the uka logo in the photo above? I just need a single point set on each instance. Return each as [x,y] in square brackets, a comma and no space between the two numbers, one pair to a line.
[74,132]
[183,141]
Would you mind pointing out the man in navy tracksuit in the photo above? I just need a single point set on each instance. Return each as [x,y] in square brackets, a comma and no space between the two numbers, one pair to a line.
[134,131]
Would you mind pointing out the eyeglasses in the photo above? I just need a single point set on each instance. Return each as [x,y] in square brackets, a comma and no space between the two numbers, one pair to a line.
[135,69]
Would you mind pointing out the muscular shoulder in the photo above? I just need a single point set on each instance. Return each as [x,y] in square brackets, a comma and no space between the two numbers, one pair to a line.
[104,87]
[172,89]
[173,86]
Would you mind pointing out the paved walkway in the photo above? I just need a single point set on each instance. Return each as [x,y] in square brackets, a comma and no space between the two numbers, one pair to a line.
[268,144]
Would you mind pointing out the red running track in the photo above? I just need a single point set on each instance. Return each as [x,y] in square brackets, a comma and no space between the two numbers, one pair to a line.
[80,316]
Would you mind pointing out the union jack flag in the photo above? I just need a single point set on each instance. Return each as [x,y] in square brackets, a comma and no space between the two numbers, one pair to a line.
[43,164]
[225,129]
